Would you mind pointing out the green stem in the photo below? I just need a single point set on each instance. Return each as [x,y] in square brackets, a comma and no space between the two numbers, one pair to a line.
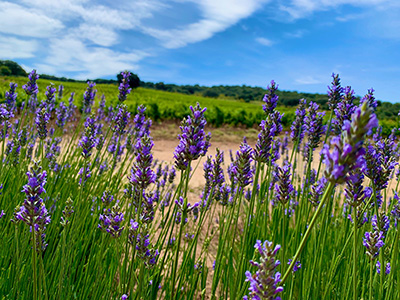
[308,232]
[35,283]
[355,254]
[371,270]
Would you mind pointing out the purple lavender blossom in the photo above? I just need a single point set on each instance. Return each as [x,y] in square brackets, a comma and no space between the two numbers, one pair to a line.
[31,87]
[296,267]
[317,190]
[61,114]
[370,99]
[121,120]
[396,209]
[373,241]
[241,169]
[124,297]
[60,91]
[335,92]
[381,223]
[111,221]
[283,188]
[41,120]
[71,107]
[141,173]
[11,96]
[50,98]
[193,141]
[88,97]
[2,214]
[124,87]
[387,268]
[270,128]
[5,114]
[33,212]
[314,128]
[87,141]
[270,98]
[298,127]
[139,237]
[264,284]
[344,110]
[348,152]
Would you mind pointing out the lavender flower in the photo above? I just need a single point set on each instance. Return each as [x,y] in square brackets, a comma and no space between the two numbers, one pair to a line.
[396,209]
[71,107]
[315,129]
[264,284]
[344,110]
[270,128]
[370,99]
[378,268]
[62,115]
[141,173]
[42,118]
[50,97]
[373,241]
[270,98]
[31,88]
[87,142]
[60,91]
[67,212]
[193,141]
[33,212]
[296,267]
[284,188]
[11,96]
[111,220]
[121,120]
[124,87]
[381,223]
[139,236]
[5,114]
[335,92]
[88,97]
[298,127]
[347,154]
[241,170]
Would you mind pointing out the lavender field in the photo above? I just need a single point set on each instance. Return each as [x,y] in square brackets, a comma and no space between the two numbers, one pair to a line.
[86,212]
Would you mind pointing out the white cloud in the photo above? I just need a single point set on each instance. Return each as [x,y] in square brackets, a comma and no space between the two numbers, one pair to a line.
[296,34]
[18,20]
[71,55]
[302,8]
[308,80]
[98,35]
[264,41]
[12,48]
[217,16]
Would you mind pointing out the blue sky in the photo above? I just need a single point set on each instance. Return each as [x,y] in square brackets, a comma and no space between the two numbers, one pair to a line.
[298,43]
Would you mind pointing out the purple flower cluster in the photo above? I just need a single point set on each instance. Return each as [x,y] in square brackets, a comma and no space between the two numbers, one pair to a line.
[33,212]
[241,167]
[348,152]
[370,99]
[31,87]
[141,173]
[314,128]
[270,98]
[387,268]
[264,284]
[121,120]
[61,114]
[193,141]
[5,114]
[139,237]
[124,87]
[298,127]
[41,120]
[344,110]
[11,96]
[335,92]
[270,128]
[373,241]
[88,97]
[111,221]
[67,212]
[88,139]
[50,97]
[141,125]
[296,267]
[283,188]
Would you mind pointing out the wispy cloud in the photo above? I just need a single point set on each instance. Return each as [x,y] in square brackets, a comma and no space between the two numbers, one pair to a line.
[11,48]
[308,80]
[264,41]
[217,16]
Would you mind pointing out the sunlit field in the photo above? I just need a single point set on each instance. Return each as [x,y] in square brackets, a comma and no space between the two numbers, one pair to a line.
[308,210]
